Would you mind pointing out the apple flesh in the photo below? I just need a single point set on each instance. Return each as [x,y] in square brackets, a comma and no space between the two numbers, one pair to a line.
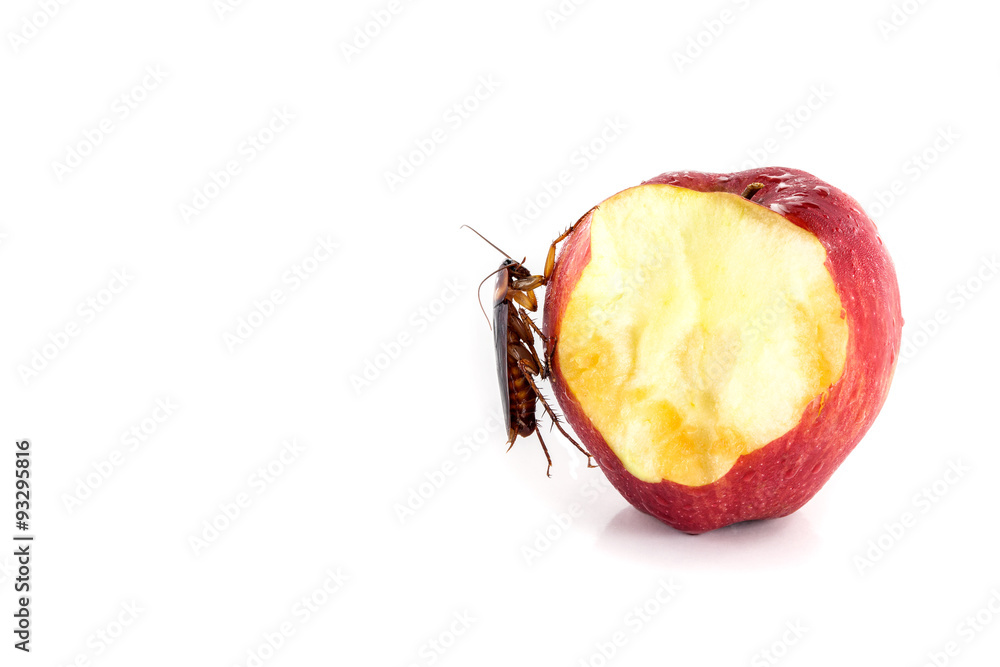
[720,354]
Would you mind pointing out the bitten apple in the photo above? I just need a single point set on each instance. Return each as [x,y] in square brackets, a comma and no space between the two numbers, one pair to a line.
[723,340]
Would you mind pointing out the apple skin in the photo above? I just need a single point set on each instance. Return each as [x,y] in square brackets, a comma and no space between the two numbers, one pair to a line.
[783,475]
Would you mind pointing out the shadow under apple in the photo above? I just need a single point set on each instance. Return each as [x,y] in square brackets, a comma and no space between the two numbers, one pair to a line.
[759,544]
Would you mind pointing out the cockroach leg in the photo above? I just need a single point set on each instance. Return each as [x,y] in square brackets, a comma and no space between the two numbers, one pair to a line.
[550,345]
[534,326]
[550,349]
[532,282]
[528,284]
[523,324]
[550,260]
[552,415]
[520,327]
[525,298]
[548,471]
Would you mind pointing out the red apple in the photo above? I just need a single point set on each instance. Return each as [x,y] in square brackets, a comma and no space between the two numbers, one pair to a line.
[723,340]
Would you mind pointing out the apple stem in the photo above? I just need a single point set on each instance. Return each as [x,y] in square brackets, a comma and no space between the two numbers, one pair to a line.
[751,190]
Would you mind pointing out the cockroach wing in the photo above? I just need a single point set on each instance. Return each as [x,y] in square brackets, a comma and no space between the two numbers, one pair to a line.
[500,343]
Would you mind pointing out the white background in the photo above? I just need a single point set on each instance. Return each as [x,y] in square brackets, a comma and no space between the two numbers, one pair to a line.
[864,102]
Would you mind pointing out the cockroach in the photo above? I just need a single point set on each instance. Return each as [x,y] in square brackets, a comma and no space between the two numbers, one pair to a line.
[518,363]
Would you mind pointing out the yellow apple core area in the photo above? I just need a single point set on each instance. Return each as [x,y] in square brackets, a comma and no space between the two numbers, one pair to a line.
[700,330]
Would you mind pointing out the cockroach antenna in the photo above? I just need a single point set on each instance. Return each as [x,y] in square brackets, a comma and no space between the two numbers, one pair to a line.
[488,241]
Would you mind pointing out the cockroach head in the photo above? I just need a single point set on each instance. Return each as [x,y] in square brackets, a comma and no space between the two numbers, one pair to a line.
[515,269]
